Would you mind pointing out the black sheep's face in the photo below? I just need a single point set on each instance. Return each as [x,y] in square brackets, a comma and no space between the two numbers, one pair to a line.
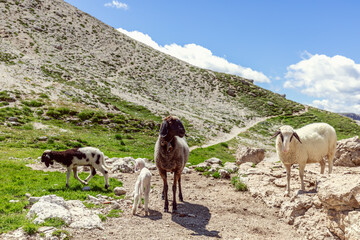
[173,127]
[45,158]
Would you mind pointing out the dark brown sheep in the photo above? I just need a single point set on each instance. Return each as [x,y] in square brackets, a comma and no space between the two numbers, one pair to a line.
[72,158]
[171,155]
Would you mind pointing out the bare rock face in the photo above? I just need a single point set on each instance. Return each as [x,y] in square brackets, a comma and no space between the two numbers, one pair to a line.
[245,154]
[340,192]
[348,152]
[305,211]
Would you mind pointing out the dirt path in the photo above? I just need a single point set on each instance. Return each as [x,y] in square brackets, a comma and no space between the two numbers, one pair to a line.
[212,209]
[223,137]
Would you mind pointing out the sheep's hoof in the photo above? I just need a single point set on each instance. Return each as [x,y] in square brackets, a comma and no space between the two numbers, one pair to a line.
[286,194]
[67,185]
[166,209]
[106,186]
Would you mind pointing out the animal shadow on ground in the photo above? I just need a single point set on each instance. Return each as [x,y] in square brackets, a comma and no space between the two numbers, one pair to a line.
[194,217]
[153,215]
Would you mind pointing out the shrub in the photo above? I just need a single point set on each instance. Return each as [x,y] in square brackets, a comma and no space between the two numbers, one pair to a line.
[33,103]
[54,113]
[216,175]
[30,228]
[86,114]
[238,184]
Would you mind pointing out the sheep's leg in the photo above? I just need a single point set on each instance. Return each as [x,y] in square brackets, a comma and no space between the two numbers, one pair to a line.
[68,173]
[91,175]
[141,191]
[301,173]
[176,179]
[146,198]
[76,175]
[136,197]
[106,176]
[288,175]
[330,157]
[165,190]
[180,193]
[322,166]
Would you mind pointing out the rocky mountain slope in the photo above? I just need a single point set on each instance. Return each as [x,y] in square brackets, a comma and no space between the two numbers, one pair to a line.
[49,46]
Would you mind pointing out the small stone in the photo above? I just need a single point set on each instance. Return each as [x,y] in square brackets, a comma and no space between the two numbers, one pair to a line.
[44,138]
[116,206]
[214,161]
[33,199]
[119,191]
[86,188]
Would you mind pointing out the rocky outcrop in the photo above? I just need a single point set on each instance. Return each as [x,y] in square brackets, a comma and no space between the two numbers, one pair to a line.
[126,164]
[348,152]
[72,212]
[245,154]
[328,209]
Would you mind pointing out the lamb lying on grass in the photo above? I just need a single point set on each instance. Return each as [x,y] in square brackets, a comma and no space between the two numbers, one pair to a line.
[142,186]
[313,143]
[72,158]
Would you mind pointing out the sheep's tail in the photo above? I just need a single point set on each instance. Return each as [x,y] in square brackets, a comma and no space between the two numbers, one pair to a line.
[102,160]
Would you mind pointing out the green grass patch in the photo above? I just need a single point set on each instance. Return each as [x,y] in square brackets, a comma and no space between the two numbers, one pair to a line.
[344,127]
[221,151]
[238,184]
[115,213]
[16,179]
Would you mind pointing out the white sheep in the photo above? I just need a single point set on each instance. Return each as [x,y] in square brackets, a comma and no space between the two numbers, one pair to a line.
[171,154]
[72,158]
[314,142]
[142,186]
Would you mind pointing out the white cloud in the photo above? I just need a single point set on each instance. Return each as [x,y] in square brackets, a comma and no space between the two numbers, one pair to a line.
[199,56]
[117,4]
[335,81]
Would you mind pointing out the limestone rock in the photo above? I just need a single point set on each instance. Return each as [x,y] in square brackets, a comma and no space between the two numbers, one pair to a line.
[119,191]
[124,165]
[348,152]
[295,207]
[224,173]
[352,225]
[231,167]
[245,154]
[72,212]
[340,192]
[214,160]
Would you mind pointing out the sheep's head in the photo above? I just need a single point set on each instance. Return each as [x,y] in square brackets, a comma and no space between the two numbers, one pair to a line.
[286,134]
[139,164]
[45,158]
[172,126]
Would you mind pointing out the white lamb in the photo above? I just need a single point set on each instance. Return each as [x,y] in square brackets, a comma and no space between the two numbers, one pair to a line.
[314,142]
[142,186]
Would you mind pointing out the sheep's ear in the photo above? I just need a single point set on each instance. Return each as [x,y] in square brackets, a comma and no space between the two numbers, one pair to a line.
[296,136]
[164,129]
[277,133]
[181,128]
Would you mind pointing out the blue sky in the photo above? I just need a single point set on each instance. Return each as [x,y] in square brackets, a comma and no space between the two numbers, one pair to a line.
[307,49]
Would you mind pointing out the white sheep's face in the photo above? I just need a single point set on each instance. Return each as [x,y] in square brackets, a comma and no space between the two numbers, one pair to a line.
[286,137]
[285,134]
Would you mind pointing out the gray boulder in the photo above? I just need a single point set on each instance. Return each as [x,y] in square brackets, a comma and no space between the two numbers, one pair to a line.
[245,154]
[73,212]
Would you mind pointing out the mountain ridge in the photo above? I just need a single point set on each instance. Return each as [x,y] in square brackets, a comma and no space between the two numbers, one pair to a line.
[52,47]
